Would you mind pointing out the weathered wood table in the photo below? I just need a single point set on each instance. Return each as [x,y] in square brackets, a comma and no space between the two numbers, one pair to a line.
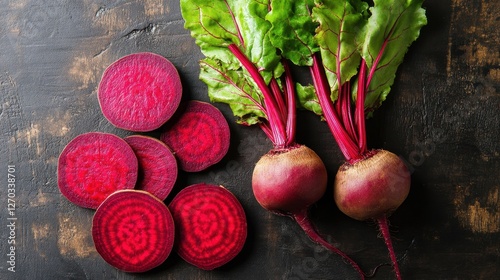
[442,117]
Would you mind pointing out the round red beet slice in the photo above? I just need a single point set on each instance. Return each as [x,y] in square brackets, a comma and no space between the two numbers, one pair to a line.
[133,231]
[157,165]
[93,165]
[210,223]
[140,92]
[199,138]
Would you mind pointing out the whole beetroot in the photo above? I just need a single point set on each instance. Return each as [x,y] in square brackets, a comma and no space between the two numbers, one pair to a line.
[372,187]
[286,181]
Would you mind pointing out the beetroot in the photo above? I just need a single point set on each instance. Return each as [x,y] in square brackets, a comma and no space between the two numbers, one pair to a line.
[211,225]
[287,181]
[373,187]
[140,92]
[133,231]
[157,165]
[199,138]
[94,165]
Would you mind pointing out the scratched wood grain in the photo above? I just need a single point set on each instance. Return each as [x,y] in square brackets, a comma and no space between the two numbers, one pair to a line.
[442,117]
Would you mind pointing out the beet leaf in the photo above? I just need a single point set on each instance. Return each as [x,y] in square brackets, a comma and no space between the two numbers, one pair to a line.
[217,24]
[339,23]
[242,68]
[292,30]
[391,28]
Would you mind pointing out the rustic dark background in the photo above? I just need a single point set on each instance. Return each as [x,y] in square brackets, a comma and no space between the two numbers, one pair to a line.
[442,117]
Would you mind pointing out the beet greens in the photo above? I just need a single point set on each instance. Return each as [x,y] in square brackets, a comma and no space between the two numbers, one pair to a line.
[241,67]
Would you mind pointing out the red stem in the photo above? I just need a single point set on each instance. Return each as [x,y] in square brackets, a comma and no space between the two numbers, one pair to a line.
[338,105]
[364,81]
[346,144]
[384,228]
[265,127]
[305,223]
[346,111]
[360,108]
[378,58]
[275,89]
[275,120]
[240,36]
[291,103]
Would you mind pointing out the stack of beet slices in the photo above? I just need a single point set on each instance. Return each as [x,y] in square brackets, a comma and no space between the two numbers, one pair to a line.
[126,180]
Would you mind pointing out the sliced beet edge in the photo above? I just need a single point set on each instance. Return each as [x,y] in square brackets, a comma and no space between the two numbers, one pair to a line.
[211,226]
[93,165]
[200,137]
[139,92]
[157,165]
[133,231]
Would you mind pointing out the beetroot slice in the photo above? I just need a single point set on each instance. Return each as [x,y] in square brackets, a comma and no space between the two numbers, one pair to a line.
[140,92]
[210,223]
[133,231]
[157,165]
[199,138]
[93,165]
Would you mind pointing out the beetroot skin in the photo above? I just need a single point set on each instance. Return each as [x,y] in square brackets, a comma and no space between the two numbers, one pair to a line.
[372,187]
[211,225]
[157,165]
[94,165]
[133,231]
[199,137]
[289,180]
[139,92]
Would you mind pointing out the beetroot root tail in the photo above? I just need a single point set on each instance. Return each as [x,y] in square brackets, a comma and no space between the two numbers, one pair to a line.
[384,228]
[305,223]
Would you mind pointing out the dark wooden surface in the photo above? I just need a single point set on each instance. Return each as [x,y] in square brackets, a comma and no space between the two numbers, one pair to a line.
[442,117]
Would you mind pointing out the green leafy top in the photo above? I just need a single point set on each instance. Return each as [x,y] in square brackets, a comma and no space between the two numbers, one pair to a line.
[216,25]
[390,30]
[293,30]
[353,53]
[339,24]
[346,34]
